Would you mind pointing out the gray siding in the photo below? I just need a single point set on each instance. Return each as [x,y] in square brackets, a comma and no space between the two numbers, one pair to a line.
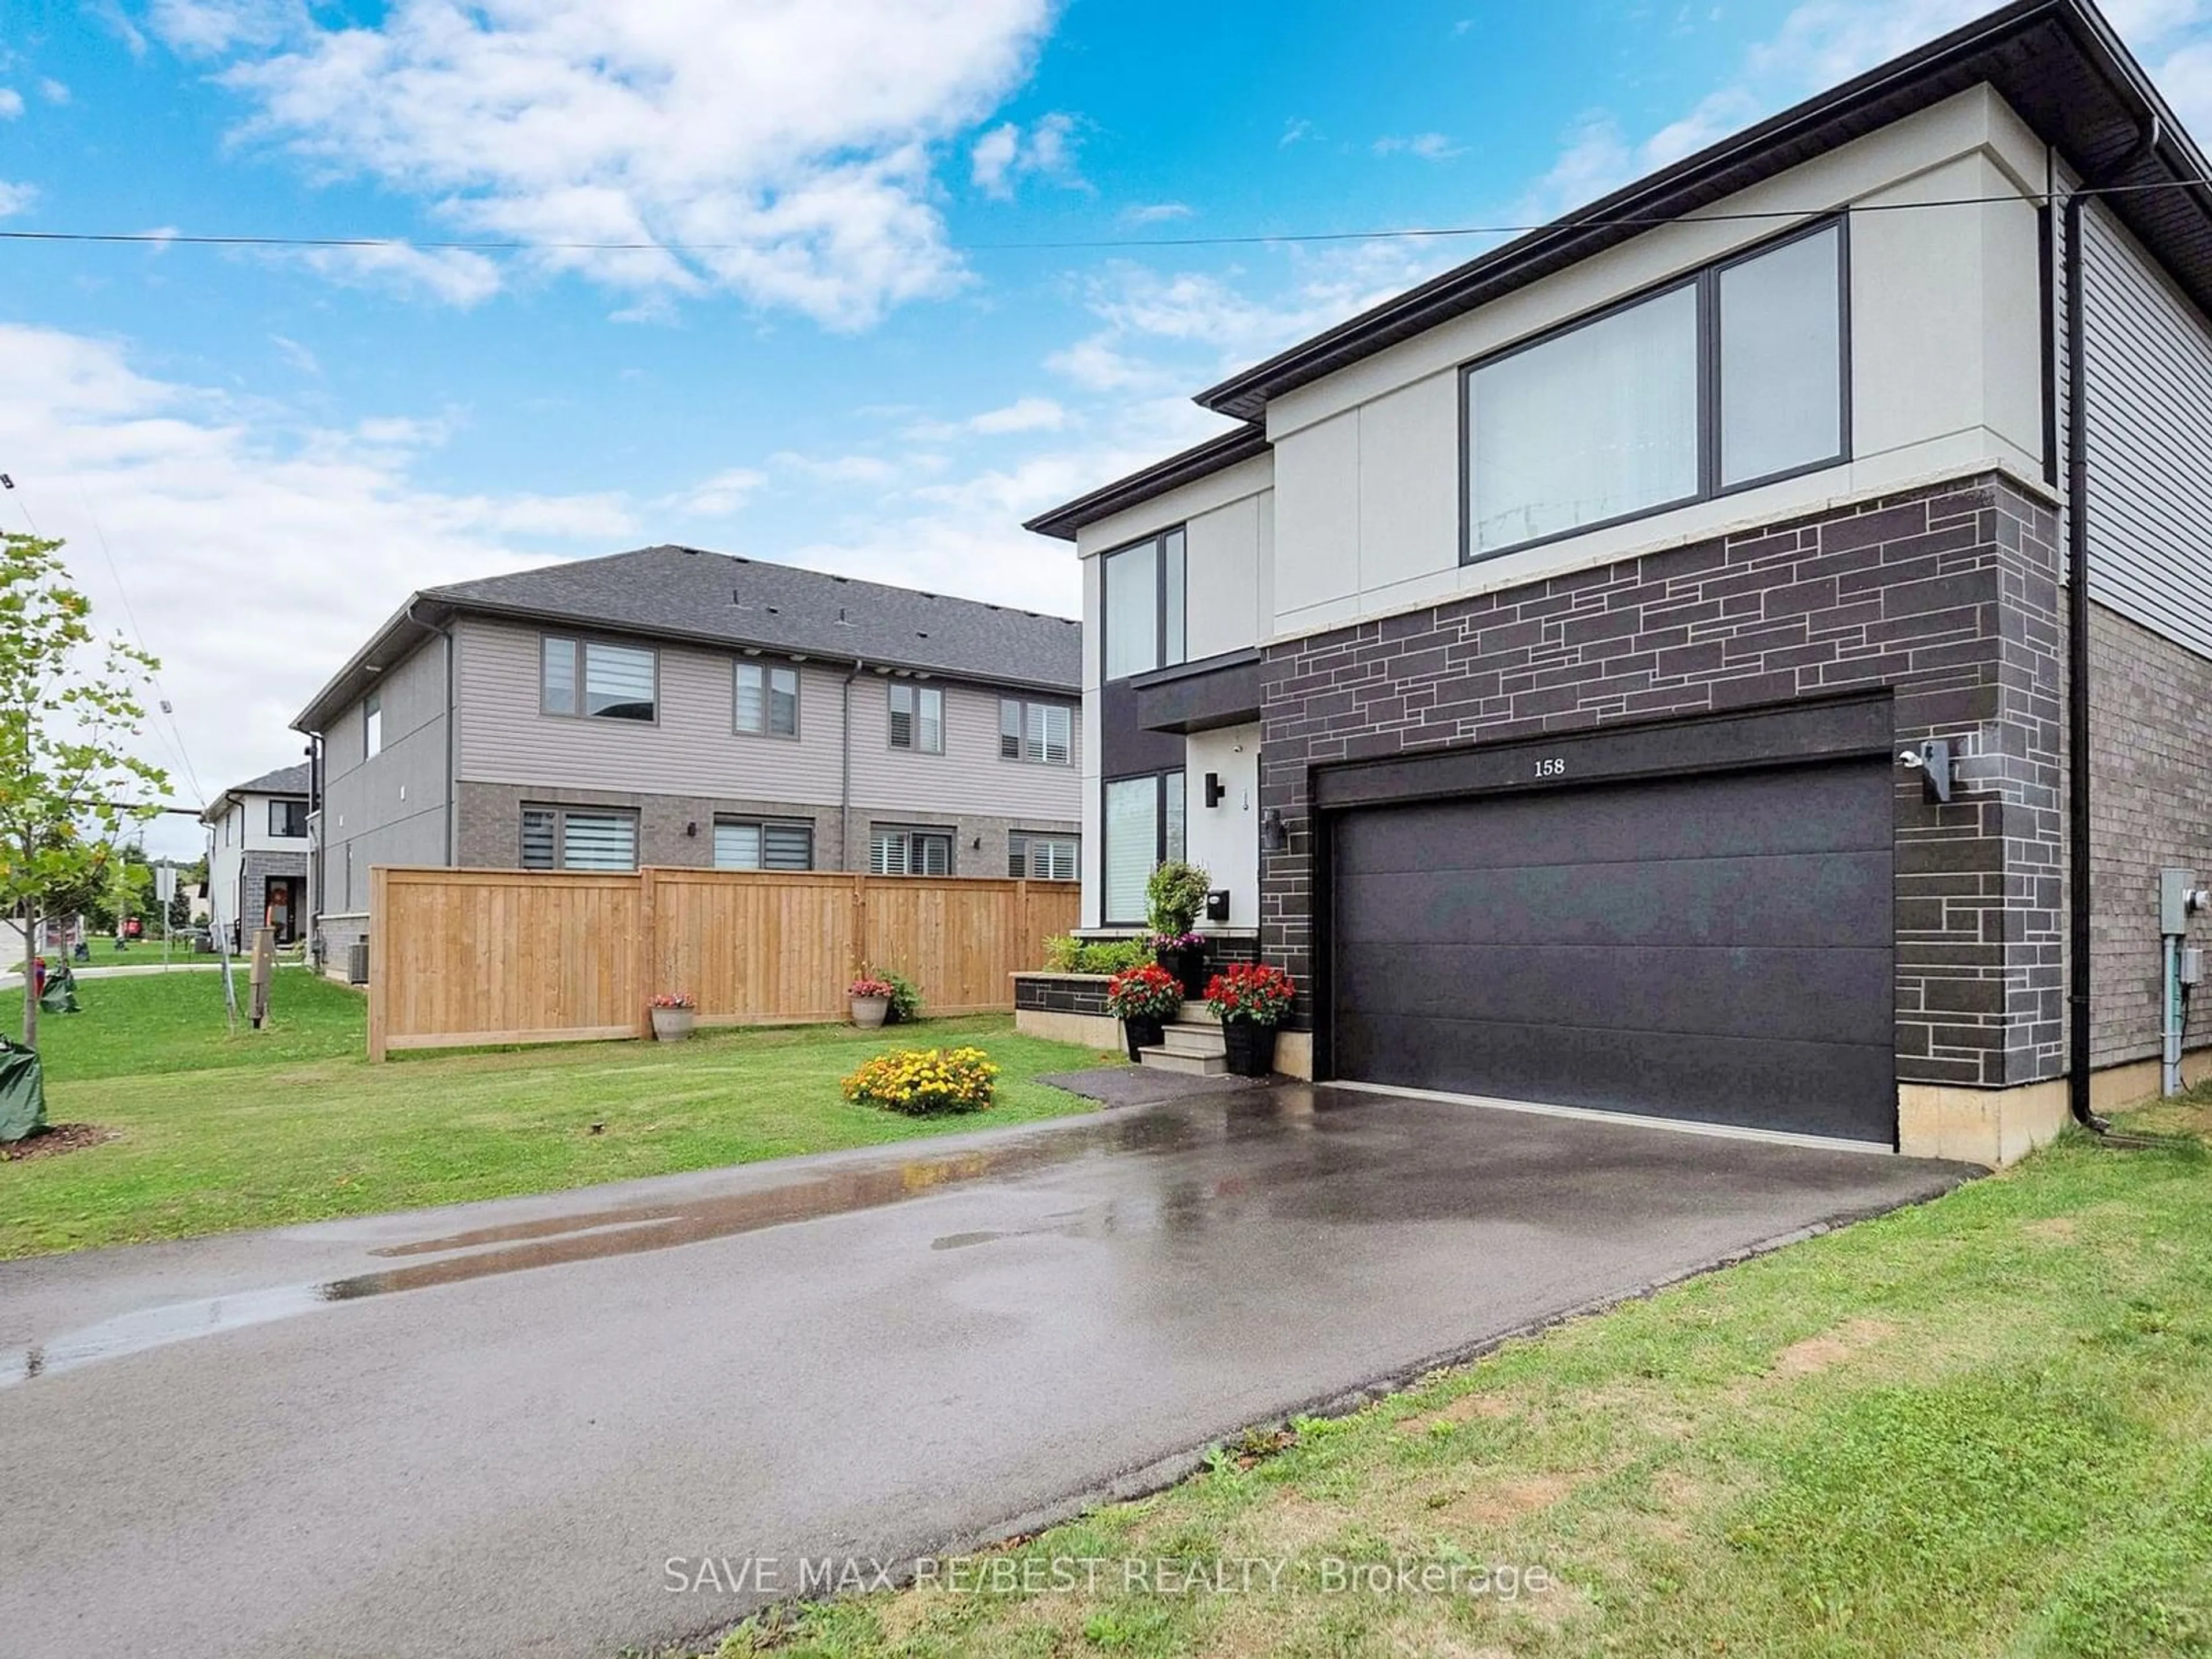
[2149,410]
[970,777]
[390,808]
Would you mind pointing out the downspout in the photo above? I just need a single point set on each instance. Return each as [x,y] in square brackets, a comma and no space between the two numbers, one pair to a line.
[2078,831]
[453,788]
[845,780]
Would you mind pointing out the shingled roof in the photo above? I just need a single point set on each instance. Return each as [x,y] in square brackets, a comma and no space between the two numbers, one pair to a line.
[285,780]
[721,599]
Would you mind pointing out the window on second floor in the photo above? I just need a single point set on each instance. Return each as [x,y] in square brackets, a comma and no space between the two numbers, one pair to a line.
[768,700]
[917,718]
[1729,377]
[593,678]
[1143,611]
[288,819]
[372,727]
[1040,731]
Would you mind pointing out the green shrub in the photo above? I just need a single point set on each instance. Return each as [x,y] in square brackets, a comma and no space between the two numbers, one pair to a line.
[1114,956]
[1174,894]
[906,1000]
[1062,951]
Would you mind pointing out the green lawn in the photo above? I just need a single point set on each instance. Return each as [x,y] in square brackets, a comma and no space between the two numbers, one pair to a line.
[291,1124]
[1982,1426]
[141,953]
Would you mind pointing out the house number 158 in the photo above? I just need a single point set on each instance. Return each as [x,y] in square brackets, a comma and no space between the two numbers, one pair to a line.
[1551,766]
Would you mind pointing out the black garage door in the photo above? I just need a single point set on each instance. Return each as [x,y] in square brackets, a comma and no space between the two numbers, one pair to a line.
[1715,948]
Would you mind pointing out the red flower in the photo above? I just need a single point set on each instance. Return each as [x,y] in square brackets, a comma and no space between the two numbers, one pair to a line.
[1252,991]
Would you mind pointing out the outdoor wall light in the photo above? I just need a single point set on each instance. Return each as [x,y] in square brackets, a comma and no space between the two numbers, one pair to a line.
[1273,836]
[692,827]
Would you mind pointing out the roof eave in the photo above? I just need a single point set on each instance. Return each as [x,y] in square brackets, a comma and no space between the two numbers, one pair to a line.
[1199,461]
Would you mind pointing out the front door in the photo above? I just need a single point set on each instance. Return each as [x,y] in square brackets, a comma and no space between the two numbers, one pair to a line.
[283,907]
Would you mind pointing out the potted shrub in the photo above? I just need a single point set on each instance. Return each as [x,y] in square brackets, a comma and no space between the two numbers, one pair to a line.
[1143,999]
[1251,999]
[1174,896]
[674,1014]
[870,1000]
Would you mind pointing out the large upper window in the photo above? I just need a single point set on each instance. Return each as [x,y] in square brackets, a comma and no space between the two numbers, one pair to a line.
[287,819]
[1143,820]
[1040,731]
[917,718]
[594,679]
[768,700]
[554,838]
[1144,610]
[1731,378]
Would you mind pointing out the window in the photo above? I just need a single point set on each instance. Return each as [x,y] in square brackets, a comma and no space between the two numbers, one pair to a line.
[597,680]
[1144,606]
[577,838]
[909,852]
[372,727]
[768,700]
[1730,378]
[288,819]
[1040,731]
[1143,820]
[1041,858]
[917,718]
[743,845]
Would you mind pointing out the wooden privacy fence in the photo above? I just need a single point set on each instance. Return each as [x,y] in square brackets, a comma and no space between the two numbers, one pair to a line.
[462,958]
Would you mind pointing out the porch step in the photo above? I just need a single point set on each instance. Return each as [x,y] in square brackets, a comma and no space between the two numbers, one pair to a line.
[1172,1060]
[1200,1040]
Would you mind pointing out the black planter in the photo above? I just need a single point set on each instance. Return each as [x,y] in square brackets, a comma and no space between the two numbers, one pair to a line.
[1251,1049]
[1190,966]
[1142,1031]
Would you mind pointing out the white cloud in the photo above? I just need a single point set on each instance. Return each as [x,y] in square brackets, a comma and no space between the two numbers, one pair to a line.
[1427,146]
[788,146]
[721,496]
[454,275]
[256,557]
[1022,415]
[837,469]
[296,354]
[1296,131]
[1155,213]
[15,198]
[11,103]
[1002,157]
[54,92]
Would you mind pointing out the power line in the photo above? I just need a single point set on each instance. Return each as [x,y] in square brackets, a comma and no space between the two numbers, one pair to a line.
[160,691]
[171,239]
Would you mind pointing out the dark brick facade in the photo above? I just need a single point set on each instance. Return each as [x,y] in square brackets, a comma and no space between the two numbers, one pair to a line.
[255,871]
[1061,994]
[2150,806]
[1949,596]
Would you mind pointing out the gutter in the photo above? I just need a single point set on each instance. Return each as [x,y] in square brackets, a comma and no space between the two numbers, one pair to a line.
[2080,911]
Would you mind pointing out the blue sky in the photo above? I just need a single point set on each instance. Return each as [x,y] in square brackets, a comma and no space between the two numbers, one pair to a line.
[827,352]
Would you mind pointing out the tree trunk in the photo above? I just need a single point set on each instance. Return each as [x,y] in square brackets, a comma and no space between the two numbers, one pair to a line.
[30,974]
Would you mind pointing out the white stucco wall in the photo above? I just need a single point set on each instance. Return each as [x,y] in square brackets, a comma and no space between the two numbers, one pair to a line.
[1225,839]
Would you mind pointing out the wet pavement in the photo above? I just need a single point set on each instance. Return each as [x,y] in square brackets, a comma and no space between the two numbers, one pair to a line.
[488,1429]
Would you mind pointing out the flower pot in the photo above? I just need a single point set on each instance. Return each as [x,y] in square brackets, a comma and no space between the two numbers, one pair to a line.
[868,1012]
[672,1024]
[1250,1048]
[1188,966]
[1142,1031]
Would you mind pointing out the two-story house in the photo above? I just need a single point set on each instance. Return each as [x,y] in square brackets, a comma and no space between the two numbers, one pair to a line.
[257,863]
[674,707]
[1742,653]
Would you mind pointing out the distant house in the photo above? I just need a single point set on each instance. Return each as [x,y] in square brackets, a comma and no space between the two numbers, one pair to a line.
[675,707]
[257,855]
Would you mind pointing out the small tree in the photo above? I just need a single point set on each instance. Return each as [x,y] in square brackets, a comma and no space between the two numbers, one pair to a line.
[68,702]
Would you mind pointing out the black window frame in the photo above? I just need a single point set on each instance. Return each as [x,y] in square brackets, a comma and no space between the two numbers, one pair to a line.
[762,825]
[911,833]
[1021,743]
[768,671]
[580,646]
[1161,852]
[916,693]
[1706,283]
[1017,843]
[1158,541]
[561,811]
[294,812]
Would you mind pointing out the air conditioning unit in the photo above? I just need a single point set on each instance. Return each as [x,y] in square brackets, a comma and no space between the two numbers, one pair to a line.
[357,963]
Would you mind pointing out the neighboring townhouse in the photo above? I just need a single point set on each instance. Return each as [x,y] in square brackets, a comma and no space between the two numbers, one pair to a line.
[258,856]
[1636,670]
[676,706]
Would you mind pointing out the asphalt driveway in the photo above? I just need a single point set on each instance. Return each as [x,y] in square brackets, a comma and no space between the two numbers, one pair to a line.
[487,1430]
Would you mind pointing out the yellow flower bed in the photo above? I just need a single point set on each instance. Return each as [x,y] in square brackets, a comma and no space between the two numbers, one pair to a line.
[919,1080]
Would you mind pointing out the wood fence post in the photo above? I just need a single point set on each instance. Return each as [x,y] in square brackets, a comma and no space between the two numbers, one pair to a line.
[648,983]
[379,958]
